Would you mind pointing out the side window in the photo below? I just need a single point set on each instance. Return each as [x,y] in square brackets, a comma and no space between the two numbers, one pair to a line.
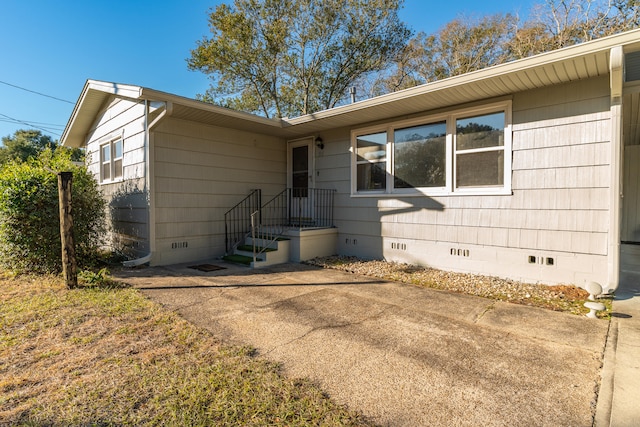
[117,159]
[105,159]
[111,155]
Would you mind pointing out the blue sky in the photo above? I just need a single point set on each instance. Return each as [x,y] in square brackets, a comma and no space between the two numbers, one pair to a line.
[53,47]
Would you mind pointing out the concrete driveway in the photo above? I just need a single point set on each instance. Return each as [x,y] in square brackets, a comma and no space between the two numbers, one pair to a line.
[400,354]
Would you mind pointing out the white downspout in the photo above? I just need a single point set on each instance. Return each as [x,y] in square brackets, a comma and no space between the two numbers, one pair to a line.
[616,191]
[168,109]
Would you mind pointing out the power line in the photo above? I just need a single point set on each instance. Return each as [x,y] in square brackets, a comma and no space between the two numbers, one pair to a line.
[48,125]
[37,93]
[11,119]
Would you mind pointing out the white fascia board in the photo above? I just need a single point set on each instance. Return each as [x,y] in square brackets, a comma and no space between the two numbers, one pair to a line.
[65,138]
[151,94]
[121,90]
[71,136]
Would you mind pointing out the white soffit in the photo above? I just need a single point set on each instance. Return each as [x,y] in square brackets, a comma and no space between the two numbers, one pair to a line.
[577,62]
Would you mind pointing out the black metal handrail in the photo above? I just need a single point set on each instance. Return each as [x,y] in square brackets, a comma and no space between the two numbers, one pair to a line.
[293,208]
[237,220]
[310,207]
[299,208]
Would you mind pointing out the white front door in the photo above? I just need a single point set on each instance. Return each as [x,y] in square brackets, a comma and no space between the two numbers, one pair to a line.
[301,179]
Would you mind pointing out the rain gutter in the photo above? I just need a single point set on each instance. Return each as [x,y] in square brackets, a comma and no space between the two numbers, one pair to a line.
[167,111]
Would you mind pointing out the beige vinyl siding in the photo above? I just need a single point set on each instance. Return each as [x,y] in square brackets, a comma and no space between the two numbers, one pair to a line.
[561,167]
[127,211]
[558,209]
[200,172]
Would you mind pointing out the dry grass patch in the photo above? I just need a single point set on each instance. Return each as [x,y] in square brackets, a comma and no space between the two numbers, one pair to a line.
[108,356]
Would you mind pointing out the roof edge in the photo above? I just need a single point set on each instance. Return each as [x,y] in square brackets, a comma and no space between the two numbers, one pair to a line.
[545,58]
[143,93]
[156,95]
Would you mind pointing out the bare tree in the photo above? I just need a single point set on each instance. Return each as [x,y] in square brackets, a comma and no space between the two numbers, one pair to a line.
[466,44]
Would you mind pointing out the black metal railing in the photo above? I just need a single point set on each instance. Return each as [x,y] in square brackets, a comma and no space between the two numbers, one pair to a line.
[298,208]
[237,220]
[270,222]
[293,208]
[310,207]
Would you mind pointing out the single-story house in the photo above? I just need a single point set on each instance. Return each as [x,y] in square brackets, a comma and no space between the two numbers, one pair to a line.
[526,170]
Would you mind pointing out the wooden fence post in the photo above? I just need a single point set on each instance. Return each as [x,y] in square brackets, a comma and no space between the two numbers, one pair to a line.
[69,266]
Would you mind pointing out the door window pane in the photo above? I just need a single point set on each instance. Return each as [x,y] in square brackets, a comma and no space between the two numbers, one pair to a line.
[300,172]
[420,156]
[300,161]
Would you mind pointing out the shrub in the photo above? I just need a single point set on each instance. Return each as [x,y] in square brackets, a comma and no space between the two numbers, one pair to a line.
[29,213]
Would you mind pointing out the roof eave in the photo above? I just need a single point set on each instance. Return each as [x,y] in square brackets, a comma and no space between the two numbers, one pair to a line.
[74,137]
[84,111]
[82,116]
[627,40]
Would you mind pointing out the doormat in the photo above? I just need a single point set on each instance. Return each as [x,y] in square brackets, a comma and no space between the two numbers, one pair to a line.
[207,267]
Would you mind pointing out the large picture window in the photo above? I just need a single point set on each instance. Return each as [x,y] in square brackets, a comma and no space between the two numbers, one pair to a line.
[467,151]
[111,155]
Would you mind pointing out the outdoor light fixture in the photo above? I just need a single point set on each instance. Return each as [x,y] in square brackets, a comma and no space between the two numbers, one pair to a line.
[319,143]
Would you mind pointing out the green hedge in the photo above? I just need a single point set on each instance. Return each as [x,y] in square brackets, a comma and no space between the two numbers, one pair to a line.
[29,214]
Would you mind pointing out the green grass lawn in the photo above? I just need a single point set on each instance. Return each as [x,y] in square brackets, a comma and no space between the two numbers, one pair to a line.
[105,355]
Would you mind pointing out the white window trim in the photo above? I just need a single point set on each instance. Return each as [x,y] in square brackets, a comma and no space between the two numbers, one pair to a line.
[449,189]
[111,143]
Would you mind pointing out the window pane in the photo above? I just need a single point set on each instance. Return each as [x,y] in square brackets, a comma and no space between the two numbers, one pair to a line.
[480,131]
[117,149]
[372,147]
[106,169]
[300,159]
[106,153]
[420,156]
[372,176]
[476,169]
[117,169]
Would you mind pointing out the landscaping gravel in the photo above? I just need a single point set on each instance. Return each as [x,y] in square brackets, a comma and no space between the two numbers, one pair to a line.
[566,298]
